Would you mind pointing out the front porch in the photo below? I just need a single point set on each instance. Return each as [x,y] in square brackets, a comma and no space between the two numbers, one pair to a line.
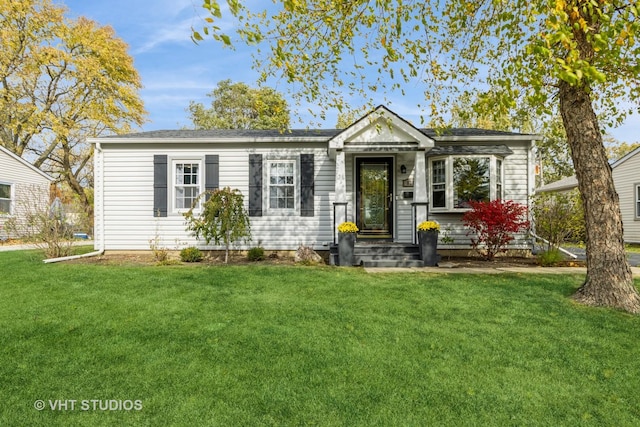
[380,177]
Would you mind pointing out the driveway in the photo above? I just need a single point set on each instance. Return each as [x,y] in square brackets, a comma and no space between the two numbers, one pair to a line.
[581,253]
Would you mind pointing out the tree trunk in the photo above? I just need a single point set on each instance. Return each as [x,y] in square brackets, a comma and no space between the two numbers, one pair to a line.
[609,280]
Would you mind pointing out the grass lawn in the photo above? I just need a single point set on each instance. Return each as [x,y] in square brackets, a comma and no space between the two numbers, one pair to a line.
[283,345]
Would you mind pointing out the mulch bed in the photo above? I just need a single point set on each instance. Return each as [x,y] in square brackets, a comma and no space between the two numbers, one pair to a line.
[147,258]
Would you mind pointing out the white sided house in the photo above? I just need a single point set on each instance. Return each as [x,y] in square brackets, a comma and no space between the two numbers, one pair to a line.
[382,173]
[23,189]
[626,180]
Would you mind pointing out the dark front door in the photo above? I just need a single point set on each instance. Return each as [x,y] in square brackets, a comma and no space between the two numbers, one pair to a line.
[374,187]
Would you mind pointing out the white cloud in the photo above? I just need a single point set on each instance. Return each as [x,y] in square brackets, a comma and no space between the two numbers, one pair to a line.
[171,32]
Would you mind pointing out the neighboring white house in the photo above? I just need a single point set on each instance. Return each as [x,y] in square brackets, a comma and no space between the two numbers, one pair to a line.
[382,173]
[626,178]
[23,187]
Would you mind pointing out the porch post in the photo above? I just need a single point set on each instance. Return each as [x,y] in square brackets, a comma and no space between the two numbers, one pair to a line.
[420,187]
[340,207]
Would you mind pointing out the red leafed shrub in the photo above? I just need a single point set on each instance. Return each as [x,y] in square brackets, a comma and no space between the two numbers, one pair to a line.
[494,224]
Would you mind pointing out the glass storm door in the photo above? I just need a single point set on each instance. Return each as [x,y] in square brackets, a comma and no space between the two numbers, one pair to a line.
[374,183]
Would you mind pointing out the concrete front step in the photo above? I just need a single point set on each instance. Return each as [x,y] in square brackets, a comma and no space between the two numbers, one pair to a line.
[391,263]
[383,254]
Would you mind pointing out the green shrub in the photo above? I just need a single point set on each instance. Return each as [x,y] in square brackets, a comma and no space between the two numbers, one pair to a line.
[191,254]
[559,217]
[255,254]
[550,258]
[222,219]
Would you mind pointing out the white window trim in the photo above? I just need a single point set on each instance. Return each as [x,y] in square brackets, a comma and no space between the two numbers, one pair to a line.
[636,199]
[172,180]
[498,172]
[267,186]
[449,187]
[12,198]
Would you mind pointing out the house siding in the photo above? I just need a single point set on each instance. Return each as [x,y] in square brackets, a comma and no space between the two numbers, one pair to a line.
[125,172]
[29,187]
[128,197]
[626,177]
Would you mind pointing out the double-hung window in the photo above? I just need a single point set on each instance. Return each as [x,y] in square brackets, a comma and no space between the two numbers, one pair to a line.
[282,185]
[5,198]
[637,186]
[439,184]
[457,180]
[499,175]
[187,182]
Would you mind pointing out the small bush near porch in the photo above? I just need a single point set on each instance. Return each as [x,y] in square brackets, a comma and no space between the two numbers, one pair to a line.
[285,345]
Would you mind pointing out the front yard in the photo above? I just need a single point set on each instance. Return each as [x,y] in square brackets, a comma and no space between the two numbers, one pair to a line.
[286,345]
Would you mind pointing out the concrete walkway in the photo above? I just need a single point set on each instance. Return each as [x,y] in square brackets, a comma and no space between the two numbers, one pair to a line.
[501,270]
[30,246]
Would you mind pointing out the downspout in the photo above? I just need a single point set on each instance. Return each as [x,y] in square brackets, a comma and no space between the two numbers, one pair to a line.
[68,258]
[564,251]
[100,230]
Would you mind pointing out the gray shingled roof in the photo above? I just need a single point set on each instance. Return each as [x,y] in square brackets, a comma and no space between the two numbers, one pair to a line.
[468,132]
[230,133]
[564,184]
[500,150]
[296,133]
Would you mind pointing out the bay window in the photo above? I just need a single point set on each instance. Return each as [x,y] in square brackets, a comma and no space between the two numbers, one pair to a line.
[457,180]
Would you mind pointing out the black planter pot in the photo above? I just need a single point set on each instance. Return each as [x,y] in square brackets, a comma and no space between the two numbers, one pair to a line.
[428,242]
[346,248]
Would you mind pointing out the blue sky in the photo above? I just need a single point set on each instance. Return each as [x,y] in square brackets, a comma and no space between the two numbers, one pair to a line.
[175,71]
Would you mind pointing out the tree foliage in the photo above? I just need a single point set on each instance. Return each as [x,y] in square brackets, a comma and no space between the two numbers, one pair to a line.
[617,150]
[238,106]
[222,218]
[576,58]
[61,81]
[552,150]
[515,51]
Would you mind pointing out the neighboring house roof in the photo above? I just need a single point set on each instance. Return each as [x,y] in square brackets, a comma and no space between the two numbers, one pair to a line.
[24,162]
[626,157]
[571,182]
[564,184]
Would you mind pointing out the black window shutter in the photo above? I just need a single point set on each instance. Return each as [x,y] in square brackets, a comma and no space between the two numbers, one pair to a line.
[211,173]
[160,192]
[255,184]
[306,184]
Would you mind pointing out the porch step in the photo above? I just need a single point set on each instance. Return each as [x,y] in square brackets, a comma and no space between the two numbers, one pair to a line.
[382,254]
[386,263]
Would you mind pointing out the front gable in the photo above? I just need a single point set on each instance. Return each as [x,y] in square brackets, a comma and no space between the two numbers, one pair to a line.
[380,130]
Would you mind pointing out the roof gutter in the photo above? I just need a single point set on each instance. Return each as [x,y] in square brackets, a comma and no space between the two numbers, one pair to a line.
[221,140]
